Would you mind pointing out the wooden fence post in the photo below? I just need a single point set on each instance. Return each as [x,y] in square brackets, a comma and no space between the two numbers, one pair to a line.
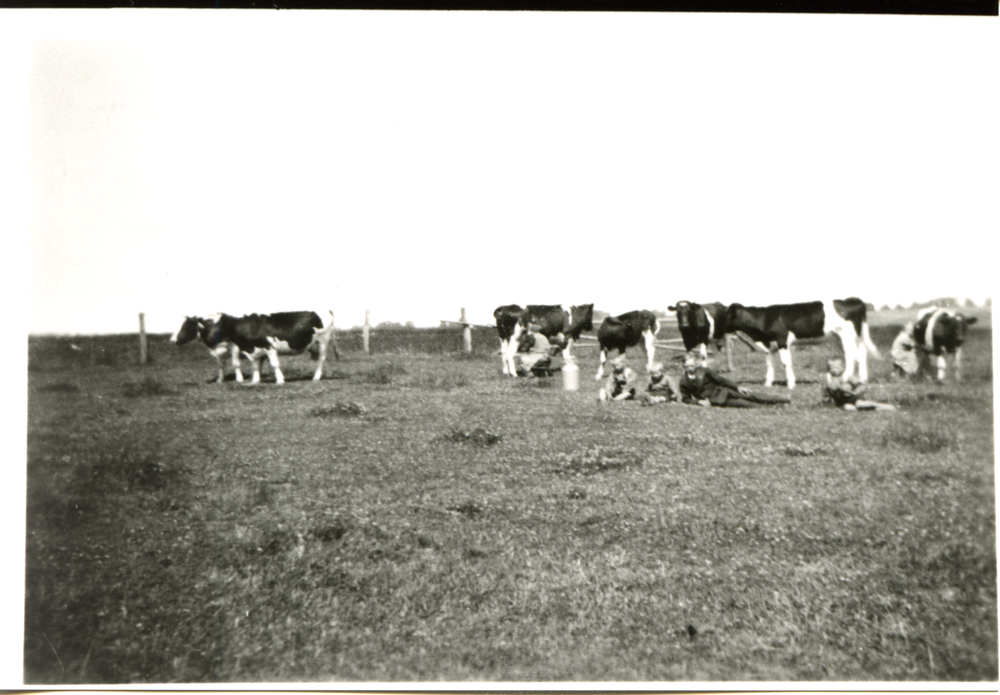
[333,338]
[364,335]
[143,348]
[466,333]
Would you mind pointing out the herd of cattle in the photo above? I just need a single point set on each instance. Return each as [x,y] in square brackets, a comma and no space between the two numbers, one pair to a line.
[938,332]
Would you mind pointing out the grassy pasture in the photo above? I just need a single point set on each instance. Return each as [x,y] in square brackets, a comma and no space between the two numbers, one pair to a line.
[416,516]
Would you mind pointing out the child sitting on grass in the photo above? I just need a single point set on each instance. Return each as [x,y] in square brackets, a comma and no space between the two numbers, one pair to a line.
[846,394]
[619,384]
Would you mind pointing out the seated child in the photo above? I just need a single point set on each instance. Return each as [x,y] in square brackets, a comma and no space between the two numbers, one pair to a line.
[845,394]
[619,384]
[662,387]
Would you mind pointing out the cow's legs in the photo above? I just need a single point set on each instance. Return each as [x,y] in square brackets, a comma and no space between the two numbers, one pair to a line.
[855,356]
[236,364]
[512,344]
[321,360]
[567,353]
[600,366]
[272,357]
[768,355]
[942,367]
[958,363]
[217,353]
[703,350]
[649,345]
[786,359]
[861,356]
[503,355]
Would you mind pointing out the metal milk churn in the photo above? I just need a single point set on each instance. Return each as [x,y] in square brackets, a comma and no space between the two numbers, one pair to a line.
[570,375]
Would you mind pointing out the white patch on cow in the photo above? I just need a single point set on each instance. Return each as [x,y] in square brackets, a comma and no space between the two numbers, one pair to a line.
[236,363]
[512,344]
[769,377]
[649,345]
[786,359]
[855,352]
[711,332]
[504,342]
[931,325]
[281,346]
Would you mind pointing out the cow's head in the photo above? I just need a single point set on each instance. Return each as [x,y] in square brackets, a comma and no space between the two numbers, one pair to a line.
[581,318]
[209,330]
[689,314]
[956,329]
[686,314]
[189,330]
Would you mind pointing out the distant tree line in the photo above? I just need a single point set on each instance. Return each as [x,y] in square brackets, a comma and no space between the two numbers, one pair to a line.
[943,302]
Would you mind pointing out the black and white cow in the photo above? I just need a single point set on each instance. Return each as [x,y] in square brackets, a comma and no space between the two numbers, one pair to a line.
[700,323]
[625,331]
[260,335]
[560,325]
[942,332]
[784,323]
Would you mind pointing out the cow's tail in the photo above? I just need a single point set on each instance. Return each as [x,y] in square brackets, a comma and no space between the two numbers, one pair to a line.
[326,335]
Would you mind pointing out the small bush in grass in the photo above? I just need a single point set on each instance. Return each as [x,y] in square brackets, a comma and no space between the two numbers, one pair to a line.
[470,510]
[341,409]
[596,459]
[920,439]
[127,467]
[383,373]
[147,386]
[536,382]
[478,436]
[442,382]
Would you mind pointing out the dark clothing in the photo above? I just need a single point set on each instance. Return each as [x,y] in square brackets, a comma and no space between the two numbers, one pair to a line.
[706,384]
[842,392]
[664,385]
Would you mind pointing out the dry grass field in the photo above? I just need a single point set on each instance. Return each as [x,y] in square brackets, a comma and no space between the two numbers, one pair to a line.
[415,516]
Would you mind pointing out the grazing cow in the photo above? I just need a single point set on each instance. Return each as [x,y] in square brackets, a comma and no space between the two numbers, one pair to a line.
[260,335]
[700,323]
[625,331]
[785,323]
[941,332]
[559,325]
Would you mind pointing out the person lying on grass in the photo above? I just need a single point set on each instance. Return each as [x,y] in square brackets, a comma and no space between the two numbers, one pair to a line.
[702,386]
[620,384]
[847,394]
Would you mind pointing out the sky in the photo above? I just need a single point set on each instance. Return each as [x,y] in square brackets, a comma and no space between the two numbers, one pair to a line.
[412,164]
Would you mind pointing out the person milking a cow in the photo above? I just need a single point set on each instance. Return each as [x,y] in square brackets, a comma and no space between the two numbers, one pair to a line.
[534,355]
[908,356]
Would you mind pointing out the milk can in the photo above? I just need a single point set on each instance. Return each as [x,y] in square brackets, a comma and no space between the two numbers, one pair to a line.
[570,375]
